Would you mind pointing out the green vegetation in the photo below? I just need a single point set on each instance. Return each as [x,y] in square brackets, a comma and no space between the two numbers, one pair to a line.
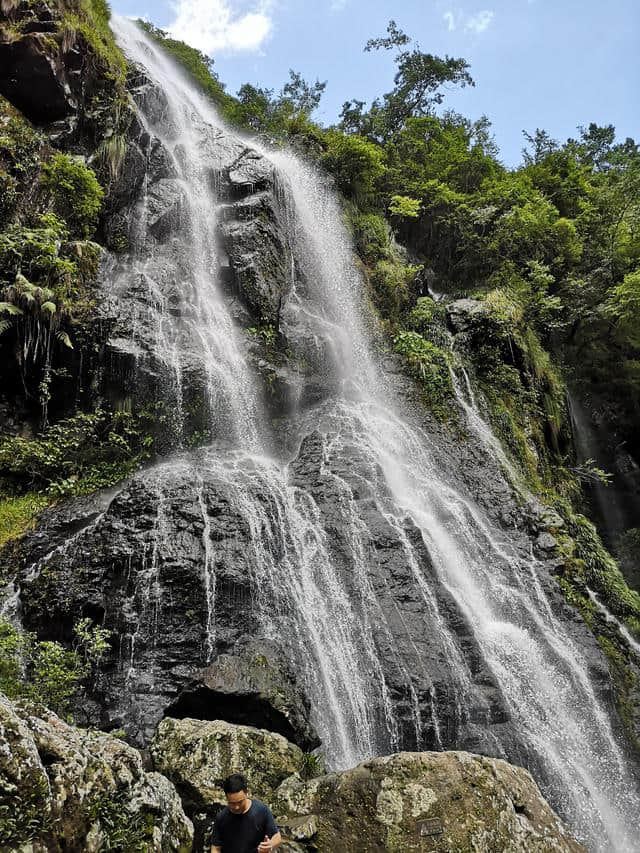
[18,514]
[124,831]
[312,766]
[19,158]
[90,19]
[75,194]
[47,263]
[79,455]
[47,672]
[23,814]
[429,364]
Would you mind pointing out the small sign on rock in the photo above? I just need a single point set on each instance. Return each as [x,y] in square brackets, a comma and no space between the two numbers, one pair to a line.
[430,827]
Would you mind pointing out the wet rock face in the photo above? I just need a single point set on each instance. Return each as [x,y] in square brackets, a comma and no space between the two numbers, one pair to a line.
[450,801]
[142,562]
[151,225]
[35,79]
[207,620]
[64,789]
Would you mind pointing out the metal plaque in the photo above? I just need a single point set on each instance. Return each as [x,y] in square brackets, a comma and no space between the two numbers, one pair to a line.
[430,827]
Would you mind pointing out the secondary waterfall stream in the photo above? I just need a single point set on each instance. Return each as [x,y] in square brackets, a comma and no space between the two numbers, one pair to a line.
[335,630]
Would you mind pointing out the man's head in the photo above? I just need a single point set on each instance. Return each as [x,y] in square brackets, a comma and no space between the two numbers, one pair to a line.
[235,787]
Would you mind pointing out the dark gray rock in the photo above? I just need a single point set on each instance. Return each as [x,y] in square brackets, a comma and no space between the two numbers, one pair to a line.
[163,562]
[255,241]
[464,312]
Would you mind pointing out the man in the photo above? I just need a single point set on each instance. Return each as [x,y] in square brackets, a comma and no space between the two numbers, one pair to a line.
[245,825]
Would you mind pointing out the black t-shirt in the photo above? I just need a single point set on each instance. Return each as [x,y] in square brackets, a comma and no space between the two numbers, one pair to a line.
[241,833]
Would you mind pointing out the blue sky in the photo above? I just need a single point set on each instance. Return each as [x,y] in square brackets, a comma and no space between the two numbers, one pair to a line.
[554,64]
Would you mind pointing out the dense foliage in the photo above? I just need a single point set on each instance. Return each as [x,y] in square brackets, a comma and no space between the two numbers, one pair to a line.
[47,672]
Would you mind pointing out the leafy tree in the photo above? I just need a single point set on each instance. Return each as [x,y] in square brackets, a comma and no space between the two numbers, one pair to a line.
[46,671]
[418,81]
[541,146]
[263,111]
[623,307]
[304,97]
[403,206]
[355,162]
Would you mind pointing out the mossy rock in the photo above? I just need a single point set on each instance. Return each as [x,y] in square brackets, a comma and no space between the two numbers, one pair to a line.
[197,755]
[63,788]
[451,802]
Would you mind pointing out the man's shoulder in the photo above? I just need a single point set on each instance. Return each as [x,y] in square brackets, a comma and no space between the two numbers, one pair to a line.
[222,816]
[260,806]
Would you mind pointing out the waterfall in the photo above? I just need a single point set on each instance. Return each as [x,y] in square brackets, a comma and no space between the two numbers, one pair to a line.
[388,481]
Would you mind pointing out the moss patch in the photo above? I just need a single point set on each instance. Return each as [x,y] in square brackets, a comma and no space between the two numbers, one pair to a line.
[18,514]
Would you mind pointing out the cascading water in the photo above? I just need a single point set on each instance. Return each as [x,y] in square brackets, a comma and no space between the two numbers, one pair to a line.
[315,588]
[543,674]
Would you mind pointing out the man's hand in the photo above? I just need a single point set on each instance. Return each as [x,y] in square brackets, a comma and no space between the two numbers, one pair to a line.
[265,846]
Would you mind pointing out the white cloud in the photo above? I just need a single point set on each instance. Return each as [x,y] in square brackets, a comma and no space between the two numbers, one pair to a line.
[212,25]
[450,18]
[338,5]
[479,22]
[476,23]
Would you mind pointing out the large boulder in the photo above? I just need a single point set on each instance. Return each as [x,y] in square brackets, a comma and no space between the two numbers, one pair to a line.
[449,802]
[62,788]
[198,755]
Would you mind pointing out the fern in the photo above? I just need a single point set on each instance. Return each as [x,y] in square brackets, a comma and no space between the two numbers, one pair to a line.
[10,308]
[111,154]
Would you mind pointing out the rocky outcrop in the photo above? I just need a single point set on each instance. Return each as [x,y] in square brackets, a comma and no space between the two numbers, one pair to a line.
[35,73]
[250,686]
[254,236]
[64,789]
[197,756]
[51,71]
[449,802]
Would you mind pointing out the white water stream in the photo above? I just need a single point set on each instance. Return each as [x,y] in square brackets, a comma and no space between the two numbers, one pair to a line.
[333,627]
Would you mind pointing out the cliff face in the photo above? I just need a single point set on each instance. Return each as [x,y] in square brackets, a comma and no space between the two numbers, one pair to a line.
[275,582]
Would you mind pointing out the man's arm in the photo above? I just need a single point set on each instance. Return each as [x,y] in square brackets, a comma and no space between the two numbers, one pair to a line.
[270,843]
[216,839]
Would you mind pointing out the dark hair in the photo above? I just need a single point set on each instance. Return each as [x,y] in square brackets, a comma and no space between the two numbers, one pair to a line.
[234,784]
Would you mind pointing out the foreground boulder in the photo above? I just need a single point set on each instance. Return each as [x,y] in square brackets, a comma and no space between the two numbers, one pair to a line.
[444,801]
[449,801]
[62,788]
[197,755]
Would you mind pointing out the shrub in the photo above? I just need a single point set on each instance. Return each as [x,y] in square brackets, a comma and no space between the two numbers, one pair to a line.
[355,162]
[392,287]
[78,455]
[429,364]
[371,235]
[428,318]
[46,671]
[76,196]
[18,513]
